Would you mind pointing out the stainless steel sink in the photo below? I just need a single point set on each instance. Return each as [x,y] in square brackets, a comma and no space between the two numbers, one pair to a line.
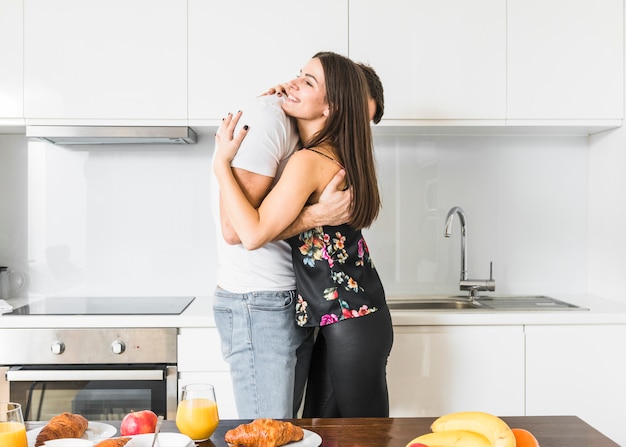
[486,303]
[526,303]
[434,304]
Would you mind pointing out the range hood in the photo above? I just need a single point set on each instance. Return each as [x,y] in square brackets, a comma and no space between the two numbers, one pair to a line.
[113,134]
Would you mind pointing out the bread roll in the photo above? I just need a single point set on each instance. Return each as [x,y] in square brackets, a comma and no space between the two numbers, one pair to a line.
[264,433]
[113,442]
[65,425]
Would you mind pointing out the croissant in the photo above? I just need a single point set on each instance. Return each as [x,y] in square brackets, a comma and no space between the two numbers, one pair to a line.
[113,442]
[65,425]
[264,433]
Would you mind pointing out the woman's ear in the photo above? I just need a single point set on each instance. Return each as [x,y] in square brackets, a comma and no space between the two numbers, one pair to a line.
[326,112]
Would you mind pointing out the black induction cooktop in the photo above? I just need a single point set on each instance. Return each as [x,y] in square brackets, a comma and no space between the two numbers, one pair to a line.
[114,305]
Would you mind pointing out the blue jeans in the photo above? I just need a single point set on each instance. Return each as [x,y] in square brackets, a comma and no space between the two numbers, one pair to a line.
[262,344]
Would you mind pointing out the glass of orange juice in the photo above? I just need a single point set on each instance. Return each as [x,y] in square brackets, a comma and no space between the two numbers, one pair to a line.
[12,428]
[196,415]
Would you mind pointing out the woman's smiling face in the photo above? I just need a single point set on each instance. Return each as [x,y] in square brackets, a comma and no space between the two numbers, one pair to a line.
[306,95]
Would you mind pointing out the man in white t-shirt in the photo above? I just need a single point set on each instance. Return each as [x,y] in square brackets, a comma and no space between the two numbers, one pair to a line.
[254,303]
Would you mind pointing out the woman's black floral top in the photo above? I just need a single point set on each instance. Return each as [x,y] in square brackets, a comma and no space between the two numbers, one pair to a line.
[335,276]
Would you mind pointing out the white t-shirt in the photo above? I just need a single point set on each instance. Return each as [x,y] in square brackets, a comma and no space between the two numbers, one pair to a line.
[271,140]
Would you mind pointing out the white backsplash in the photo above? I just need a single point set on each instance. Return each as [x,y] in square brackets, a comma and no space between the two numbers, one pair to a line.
[136,220]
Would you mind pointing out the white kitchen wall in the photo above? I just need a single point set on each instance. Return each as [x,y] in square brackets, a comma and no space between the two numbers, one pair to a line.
[135,220]
[607,214]
[120,220]
[526,204]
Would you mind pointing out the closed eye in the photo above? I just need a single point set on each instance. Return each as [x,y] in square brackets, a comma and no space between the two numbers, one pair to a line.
[305,79]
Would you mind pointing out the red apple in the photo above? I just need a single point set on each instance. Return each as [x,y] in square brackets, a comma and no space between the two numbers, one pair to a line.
[138,422]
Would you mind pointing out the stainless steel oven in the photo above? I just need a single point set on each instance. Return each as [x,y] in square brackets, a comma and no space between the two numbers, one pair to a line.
[100,373]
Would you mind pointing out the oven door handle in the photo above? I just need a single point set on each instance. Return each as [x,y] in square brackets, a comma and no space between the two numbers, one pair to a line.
[65,375]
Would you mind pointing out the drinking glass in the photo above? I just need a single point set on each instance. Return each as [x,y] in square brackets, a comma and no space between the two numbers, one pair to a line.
[11,282]
[196,415]
[12,428]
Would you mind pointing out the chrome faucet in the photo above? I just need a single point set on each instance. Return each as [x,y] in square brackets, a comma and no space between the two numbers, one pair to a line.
[472,285]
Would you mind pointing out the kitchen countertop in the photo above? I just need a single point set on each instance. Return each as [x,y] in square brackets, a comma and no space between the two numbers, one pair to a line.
[200,314]
[550,431]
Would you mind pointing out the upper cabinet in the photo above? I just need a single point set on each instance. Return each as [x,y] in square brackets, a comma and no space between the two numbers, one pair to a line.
[495,62]
[11,63]
[112,62]
[484,64]
[565,60]
[240,48]
[439,61]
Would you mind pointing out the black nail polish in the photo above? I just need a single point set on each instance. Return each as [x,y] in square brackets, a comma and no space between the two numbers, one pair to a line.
[245,127]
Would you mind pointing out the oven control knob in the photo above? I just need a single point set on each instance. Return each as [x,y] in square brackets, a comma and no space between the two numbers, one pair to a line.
[57,347]
[118,347]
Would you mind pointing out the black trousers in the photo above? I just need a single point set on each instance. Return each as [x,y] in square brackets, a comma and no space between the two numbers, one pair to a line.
[347,377]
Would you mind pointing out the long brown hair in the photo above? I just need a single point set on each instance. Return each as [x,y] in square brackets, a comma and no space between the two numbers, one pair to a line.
[348,130]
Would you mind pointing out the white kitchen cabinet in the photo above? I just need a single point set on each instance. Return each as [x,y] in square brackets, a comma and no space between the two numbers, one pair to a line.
[434,370]
[11,63]
[565,60]
[113,62]
[578,370]
[200,361]
[439,61]
[240,48]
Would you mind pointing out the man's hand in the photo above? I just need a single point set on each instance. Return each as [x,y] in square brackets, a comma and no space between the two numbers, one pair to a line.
[334,205]
[332,209]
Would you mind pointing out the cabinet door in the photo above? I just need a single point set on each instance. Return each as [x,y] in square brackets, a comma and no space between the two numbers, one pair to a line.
[442,60]
[11,62]
[200,361]
[240,48]
[115,60]
[578,370]
[199,350]
[434,370]
[565,59]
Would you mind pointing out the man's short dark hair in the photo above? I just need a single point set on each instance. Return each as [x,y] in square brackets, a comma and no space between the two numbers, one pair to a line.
[376,90]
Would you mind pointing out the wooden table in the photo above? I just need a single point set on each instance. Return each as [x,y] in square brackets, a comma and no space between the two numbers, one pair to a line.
[550,431]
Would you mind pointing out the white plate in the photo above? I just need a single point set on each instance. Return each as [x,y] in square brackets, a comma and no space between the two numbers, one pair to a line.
[69,442]
[96,432]
[164,440]
[311,439]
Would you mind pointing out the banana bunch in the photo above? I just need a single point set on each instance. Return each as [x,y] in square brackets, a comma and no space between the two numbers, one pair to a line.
[467,429]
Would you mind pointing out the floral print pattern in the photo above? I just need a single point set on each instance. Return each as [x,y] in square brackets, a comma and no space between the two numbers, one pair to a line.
[329,251]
